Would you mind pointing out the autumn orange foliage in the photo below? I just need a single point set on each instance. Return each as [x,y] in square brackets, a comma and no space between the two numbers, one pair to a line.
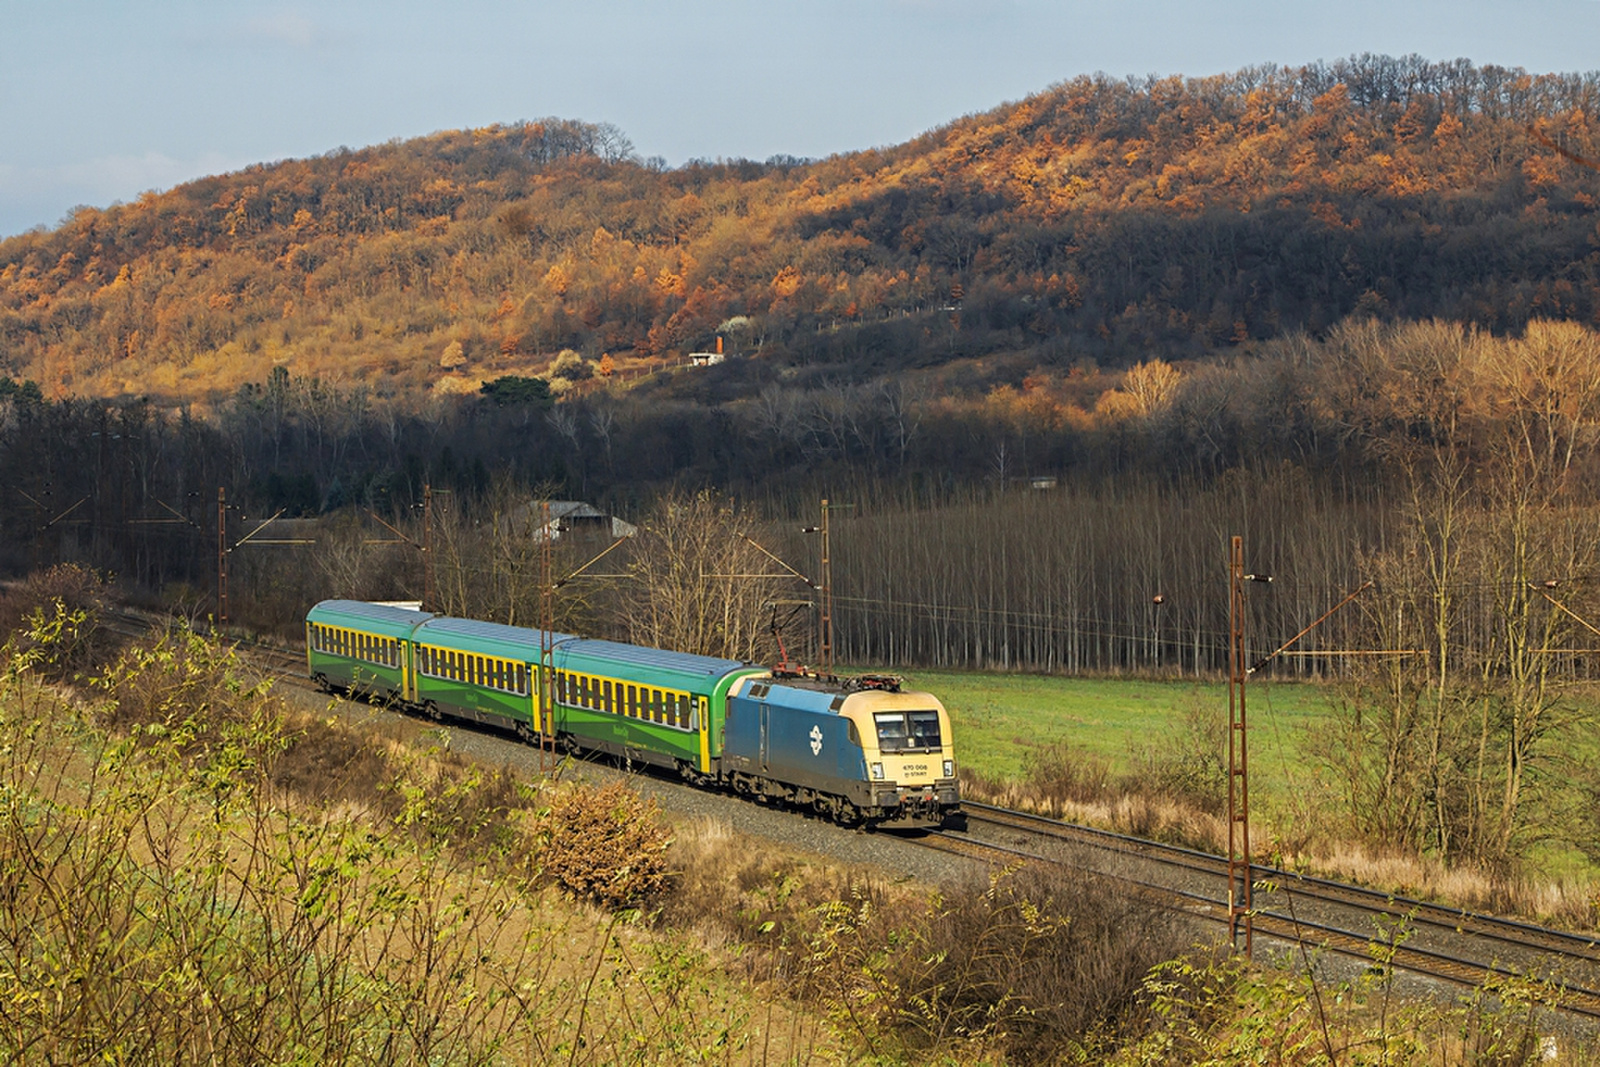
[1116,220]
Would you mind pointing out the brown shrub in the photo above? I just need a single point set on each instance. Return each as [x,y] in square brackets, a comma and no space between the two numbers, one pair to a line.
[730,888]
[329,764]
[56,617]
[1061,773]
[606,845]
[1041,961]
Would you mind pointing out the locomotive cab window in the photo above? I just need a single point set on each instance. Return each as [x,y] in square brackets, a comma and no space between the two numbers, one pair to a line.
[907,731]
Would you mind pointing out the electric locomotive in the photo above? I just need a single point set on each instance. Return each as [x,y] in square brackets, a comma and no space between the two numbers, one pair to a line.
[856,750]
[853,749]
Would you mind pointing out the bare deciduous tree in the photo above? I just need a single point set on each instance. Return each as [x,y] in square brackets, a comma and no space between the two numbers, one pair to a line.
[699,585]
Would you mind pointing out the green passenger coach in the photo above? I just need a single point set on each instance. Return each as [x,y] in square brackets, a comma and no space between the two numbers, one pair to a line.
[363,648]
[646,704]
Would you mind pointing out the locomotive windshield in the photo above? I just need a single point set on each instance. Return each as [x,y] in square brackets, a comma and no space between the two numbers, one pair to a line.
[907,731]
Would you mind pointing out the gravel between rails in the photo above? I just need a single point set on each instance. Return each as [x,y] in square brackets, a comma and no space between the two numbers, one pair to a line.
[893,854]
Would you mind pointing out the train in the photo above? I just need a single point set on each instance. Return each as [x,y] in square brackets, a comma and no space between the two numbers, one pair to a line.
[860,751]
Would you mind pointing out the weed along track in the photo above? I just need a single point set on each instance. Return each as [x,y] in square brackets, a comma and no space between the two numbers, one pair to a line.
[1431,940]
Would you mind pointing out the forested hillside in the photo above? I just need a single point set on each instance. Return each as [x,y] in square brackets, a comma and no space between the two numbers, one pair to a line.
[1100,220]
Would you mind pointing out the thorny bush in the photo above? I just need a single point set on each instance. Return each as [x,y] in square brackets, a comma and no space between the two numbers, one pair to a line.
[605,845]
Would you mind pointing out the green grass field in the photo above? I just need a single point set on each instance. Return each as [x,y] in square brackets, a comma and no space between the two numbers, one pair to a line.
[999,718]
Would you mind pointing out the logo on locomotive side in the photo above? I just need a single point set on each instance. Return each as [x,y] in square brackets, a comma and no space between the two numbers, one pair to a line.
[816,740]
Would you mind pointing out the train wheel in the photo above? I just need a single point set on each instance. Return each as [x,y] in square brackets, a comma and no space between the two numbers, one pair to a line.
[525,734]
[433,710]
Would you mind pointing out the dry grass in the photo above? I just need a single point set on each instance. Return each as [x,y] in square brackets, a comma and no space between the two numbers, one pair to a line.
[232,883]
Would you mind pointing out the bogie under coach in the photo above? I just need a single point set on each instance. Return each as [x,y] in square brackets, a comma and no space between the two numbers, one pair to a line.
[857,750]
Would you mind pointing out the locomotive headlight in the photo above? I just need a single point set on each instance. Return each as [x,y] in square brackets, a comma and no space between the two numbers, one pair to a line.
[949,768]
[877,771]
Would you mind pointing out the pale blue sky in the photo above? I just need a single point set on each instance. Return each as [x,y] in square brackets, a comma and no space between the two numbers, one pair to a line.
[101,100]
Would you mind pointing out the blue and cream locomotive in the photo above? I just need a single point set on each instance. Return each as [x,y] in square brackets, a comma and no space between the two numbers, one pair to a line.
[857,750]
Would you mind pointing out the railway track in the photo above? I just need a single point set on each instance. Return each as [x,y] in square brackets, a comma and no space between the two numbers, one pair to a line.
[1448,944]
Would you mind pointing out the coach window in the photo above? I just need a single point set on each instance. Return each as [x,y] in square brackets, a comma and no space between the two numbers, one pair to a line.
[631,708]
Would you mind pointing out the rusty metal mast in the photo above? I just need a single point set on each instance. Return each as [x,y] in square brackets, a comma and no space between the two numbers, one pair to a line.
[544,685]
[222,557]
[427,548]
[825,652]
[1239,880]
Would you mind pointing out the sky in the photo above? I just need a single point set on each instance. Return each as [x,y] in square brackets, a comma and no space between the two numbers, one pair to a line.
[101,100]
